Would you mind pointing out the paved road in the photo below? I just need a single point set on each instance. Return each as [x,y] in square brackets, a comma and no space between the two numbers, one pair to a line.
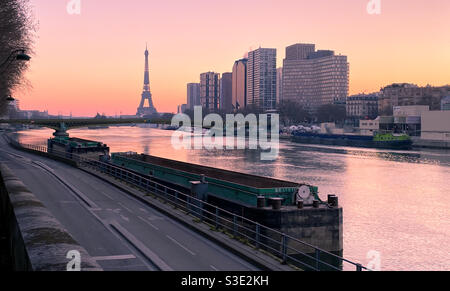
[119,231]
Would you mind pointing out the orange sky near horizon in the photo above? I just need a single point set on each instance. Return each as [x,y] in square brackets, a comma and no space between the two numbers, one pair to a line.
[94,62]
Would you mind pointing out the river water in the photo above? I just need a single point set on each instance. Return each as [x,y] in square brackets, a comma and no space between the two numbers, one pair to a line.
[396,203]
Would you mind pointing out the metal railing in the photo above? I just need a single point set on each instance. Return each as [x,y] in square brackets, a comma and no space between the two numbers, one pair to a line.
[287,249]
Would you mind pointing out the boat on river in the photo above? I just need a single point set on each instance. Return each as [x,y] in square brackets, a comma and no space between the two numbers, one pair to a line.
[378,140]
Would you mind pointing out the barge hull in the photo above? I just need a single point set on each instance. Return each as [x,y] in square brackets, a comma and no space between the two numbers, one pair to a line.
[353,141]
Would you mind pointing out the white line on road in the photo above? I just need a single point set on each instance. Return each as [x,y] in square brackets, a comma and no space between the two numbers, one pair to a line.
[143,210]
[154,258]
[180,245]
[114,258]
[107,195]
[149,223]
[128,209]
[214,268]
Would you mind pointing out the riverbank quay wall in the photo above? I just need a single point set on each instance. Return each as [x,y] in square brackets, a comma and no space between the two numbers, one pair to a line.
[33,239]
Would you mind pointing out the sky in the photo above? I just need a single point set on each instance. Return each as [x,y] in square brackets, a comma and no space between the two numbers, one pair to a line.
[94,61]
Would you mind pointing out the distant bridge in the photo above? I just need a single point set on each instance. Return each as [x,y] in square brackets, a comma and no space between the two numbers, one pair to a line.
[62,125]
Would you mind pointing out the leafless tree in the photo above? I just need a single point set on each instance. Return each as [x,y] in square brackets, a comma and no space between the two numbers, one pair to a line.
[17,31]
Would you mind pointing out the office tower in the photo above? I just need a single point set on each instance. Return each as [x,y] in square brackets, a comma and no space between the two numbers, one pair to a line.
[226,92]
[279,84]
[146,94]
[181,108]
[193,95]
[314,78]
[209,91]
[239,84]
[262,78]
[299,51]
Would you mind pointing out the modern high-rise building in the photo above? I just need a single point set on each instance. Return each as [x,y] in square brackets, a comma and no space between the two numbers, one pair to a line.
[181,108]
[193,95]
[299,51]
[210,91]
[279,85]
[239,84]
[314,78]
[262,78]
[226,96]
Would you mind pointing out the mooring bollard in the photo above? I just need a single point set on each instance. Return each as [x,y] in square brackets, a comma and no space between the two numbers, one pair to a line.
[276,203]
[316,203]
[261,202]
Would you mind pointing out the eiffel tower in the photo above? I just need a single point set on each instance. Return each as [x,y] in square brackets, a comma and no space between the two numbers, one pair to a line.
[146,94]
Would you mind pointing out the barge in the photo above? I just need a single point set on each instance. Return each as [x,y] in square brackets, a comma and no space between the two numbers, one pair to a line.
[237,187]
[381,141]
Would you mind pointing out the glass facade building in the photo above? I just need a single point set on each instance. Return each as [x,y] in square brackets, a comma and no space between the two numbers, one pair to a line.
[210,91]
[262,78]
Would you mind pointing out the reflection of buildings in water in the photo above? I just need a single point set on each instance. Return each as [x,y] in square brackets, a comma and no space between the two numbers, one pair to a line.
[146,148]
[312,158]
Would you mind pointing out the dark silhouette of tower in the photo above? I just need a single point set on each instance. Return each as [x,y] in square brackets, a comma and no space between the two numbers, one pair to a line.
[146,94]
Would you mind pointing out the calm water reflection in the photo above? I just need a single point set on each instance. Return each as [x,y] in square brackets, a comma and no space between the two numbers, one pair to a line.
[395,202]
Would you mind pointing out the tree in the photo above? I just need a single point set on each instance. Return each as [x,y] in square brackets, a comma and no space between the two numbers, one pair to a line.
[16,32]
[331,113]
[250,109]
[292,113]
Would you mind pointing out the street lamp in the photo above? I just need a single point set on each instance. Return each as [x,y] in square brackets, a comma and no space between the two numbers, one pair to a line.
[18,55]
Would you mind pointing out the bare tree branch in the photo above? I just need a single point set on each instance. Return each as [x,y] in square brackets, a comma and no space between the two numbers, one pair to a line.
[17,31]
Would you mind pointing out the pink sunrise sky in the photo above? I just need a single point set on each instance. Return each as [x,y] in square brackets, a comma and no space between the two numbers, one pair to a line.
[93,62]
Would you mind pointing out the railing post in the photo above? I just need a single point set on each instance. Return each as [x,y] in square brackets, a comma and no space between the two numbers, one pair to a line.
[317,260]
[258,230]
[234,225]
[358,267]
[217,217]
[188,204]
[284,249]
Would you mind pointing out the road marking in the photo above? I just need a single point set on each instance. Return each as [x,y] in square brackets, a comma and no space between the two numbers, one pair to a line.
[128,209]
[214,268]
[73,189]
[180,245]
[155,217]
[125,218]
[149,223]
[107,195]
[143,210]
[151,256]
[115,258]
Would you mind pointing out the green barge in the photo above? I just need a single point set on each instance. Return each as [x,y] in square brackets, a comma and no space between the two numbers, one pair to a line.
[236,187]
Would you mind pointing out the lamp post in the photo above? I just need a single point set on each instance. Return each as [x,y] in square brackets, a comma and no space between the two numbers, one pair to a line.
[18,55]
